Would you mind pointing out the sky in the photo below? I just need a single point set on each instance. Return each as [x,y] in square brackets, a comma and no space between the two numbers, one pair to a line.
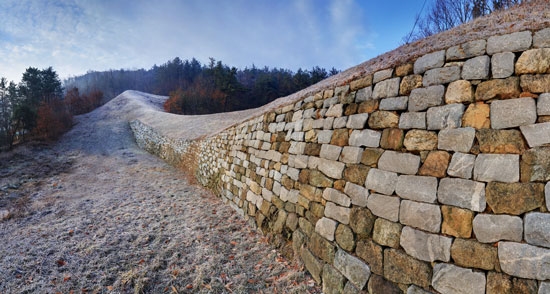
[75,36]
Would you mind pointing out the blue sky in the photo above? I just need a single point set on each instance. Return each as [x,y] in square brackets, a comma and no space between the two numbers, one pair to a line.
[74,36]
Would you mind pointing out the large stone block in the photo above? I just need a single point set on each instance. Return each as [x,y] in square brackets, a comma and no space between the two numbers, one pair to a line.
[331,152]
[331,168]
[536,134]
[378,284]
[392,138]
[429,61]
[500,141]
[404,163]
[534,61]
[459,92]
[401,268]
[358,194]
[543,104]
[477,116]
[420,140]
[461,165]
[394,103]
[423,216]
[500,283]
[383,119]
[314,266]
[448,278]
[541,38]
[338,213]
[387,233]
[505,114]
[447,116]
[351,154]
[443,75]
[466,50]
[381,181]
[384,206]
[409,83]
[366,138]
[537,229]
[462,193]
[476,68]
[412,120]
[491,228]
[498,89]
[361,221]
[535,165]
[372,253]
[435,164]
[513,42]
[382,75]
[524,260]
[326,228]
[423,98]
[457,222]
[386,88]
[425,246]
[352,268]
[337,197]
[458,140]
[357,121]
[502,65]
[333,280]
[497,167]
[356,173]
[417,188]
[535,83]
[514,198]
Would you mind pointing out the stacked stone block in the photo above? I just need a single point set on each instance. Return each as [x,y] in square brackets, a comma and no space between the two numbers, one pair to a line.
[427,177]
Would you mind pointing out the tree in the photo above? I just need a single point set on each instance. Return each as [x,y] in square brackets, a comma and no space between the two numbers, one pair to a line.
[8,125]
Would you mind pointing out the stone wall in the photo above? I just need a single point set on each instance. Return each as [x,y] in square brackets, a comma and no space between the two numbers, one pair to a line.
[427,177]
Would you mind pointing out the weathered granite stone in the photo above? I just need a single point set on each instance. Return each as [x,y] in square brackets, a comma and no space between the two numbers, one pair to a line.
[536,134]
[292,221]
[381,181]
[420,215]
[409,83]
[413,289]
[513,42]
[499,283]
[349,288]
[537,229]
[382,75]
[476,68]
[392,138]
[324,136]
[358,194]
[404,163]
[448,278]
[333,280]
[412,120]
[420,140]
[384,206]
[477,116]
[357,121]
[500,141]
[543,104]
[542,38]
[394,103]
[443,75]
[352,268]
[313,265]
[401,268]
[498,89]
[368,106]
[466,50]
[350,154]
[404,69]
[344,237]
[425,246]
[321,248]
[423,98]
[504,113]
[469,253]
[491,228]
[429,61]
[318,179]
[514,198]
[457,140]
[461,165]
[544,286]
[367,138]
[331,152]
[331,168]
[417,188]
[338,213]
[340,122]
[356,173]
[497,167]
[435,164]
[379,285]
[361,221]
[383,119]
[462,193]
[340,137]
[387,233]
[524,260]
[368,251]
[459,92]
[534,61]
[535,165]
[502,65]
[386,88]
[337,197]
[457,222]
[535,83]
[447,116]
[361,83]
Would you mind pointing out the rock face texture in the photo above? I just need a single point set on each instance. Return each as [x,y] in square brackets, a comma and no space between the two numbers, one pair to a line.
[427,175]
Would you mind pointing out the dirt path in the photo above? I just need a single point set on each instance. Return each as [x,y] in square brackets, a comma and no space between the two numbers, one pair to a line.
[95,214]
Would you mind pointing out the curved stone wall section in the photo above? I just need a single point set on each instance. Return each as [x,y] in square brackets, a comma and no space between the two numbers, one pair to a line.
[427,177]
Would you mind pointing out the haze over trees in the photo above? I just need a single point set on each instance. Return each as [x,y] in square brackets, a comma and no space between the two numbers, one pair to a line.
[196,88]
[443,15]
